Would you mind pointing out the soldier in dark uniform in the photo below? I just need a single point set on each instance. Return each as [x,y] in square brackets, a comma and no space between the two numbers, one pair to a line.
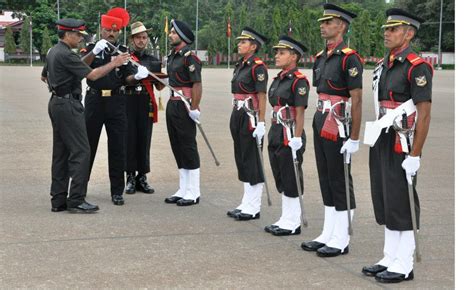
[337,74]
[289,88]
[184,72]
[401,79]
[249,81]
[142,112]
[105,102]
[63,72]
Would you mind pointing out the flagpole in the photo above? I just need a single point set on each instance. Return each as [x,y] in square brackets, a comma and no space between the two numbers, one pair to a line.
[228,52]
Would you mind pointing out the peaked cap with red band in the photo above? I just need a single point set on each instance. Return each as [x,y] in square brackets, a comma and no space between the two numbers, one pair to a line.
[116,18]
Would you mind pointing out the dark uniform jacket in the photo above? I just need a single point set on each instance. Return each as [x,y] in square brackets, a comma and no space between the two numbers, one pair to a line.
[114,79]
[184,68]
[250,76]
[409,76]
[66,70]
[339,72]
[290,88]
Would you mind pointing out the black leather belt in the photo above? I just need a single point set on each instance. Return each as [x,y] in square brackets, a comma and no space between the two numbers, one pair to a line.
[68,97]
[103,93]
[134,90]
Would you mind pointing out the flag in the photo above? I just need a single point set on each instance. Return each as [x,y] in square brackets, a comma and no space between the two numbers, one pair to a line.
[166,24]
[229,29]
[290,29]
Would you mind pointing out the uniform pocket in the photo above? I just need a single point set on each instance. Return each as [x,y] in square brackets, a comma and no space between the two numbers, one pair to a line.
[77,108]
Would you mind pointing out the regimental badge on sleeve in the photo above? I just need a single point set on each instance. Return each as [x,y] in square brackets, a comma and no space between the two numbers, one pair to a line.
[421,81]
[302,91]
[353,72]
[260,77]
[192,68]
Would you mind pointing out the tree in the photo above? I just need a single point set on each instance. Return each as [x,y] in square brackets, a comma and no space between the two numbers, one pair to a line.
[46,43]
[10,46]
[25,36]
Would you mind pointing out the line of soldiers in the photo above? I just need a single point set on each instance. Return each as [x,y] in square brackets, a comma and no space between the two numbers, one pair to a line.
[121,96]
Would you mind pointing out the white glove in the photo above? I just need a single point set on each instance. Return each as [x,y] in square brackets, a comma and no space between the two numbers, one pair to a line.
[411,165]
[194,115]
[259,132]
[295,144]
[141,73]
[99,46]
[350,147]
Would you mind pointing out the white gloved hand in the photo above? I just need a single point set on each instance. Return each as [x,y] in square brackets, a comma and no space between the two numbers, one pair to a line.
[194,115]
[411,165]
[350,147]
[99,46]
[295,144]
[259,132]
[141,73]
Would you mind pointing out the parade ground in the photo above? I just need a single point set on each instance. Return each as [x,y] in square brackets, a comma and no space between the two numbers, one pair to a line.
[149,244]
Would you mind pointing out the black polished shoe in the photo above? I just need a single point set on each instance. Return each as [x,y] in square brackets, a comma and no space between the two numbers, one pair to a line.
[173,199]
[118,199]
[84,207]
[392,277]
[142,184]
[282,232]
[131,183]
[187,202]
[246,217]
[59,208]
[270,228]
[233,213]
[331,252]
[312,246]
[373,270]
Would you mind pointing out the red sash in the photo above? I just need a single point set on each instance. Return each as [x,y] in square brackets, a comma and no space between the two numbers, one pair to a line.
[330,130]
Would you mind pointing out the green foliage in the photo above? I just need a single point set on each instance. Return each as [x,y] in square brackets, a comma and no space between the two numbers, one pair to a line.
[269,17]
[10,46]
[25,36]
[46,43]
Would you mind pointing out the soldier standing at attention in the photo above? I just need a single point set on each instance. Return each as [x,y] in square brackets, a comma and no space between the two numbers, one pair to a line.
[184,72]
[337,74]
[402,79]
[288,95]
[249,81]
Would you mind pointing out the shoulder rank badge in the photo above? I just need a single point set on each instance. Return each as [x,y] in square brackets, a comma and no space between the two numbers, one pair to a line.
[421,81]
[353,72]
[302,91]
[192,68]
[260,77]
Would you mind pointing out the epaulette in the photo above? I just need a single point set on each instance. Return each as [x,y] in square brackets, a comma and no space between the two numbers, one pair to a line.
[258,61]
[348,51]
[299,75]
[415,59]
[319,53]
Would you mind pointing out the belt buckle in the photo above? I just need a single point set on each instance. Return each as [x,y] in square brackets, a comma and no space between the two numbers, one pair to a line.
[106,93]
[138,88]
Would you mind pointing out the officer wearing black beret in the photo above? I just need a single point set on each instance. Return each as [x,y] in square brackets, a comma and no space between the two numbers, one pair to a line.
[184,71]
[337,74]
[401,80]
[249,81]
[288,95]
[63,72]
